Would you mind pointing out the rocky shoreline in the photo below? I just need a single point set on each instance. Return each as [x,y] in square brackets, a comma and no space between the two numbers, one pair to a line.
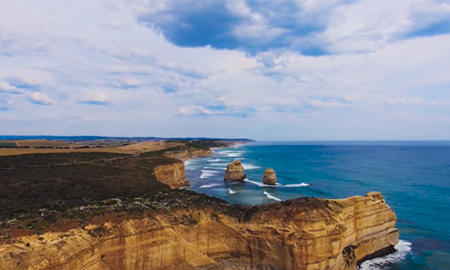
[154,225]
[182,228]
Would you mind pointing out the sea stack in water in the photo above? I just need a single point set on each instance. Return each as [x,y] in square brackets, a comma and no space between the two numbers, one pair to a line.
[269,178]
[235,172]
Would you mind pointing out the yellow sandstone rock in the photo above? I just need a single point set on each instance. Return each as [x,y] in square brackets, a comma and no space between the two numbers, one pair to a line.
[172,175]
[306,233]
[235,172]
[269,178]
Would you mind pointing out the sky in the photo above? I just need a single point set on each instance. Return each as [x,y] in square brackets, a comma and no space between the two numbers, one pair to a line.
[260,69]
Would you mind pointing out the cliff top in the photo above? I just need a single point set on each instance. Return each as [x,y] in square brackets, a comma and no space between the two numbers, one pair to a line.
[59,181]
[165,202]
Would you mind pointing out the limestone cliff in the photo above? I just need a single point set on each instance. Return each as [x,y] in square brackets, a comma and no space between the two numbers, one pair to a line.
[235,172]
[204,232]
[185,154]
[269,178]
[171,174]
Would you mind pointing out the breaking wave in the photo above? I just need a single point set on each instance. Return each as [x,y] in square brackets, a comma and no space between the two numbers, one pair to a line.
[296,185]
[272,197]
[219,164]
[231,192]
[250,166]
[276,185]
[210,168]
[401,250]
[210,185]
[260,184]
[208,173]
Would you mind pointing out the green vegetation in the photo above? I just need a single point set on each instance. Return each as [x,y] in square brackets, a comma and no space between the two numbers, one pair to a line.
[7,144]
[183,147]
[61,181]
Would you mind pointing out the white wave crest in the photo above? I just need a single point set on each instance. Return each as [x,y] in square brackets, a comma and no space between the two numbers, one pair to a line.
[222,164]
[296,185]
[209,185]
[401,250]
[214,160]
[260,184]
[231,192]
[232,151]
[187,162]
[210,168]
[208,173]
[234,155]
[250,166]
[272,197]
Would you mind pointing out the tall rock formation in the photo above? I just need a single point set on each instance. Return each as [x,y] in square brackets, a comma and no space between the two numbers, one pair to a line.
[305,233]
[235,172]
[269,178]
[172,174]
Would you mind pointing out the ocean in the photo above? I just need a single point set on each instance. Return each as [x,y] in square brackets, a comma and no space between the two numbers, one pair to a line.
[414,178]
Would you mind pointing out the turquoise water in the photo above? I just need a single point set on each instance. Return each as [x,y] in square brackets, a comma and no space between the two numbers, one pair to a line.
[413,177]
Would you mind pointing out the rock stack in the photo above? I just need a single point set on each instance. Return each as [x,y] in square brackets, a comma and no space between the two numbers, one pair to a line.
[269,178]
[235,172]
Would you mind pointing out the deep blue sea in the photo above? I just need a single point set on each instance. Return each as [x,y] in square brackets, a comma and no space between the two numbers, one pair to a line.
[414,178]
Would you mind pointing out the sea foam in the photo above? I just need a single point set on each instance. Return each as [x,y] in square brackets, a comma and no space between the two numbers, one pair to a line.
[260,184]
[231,192]
[272,197]
[208,173]
[296,185]
[210,185]
[401,250]
[250,166]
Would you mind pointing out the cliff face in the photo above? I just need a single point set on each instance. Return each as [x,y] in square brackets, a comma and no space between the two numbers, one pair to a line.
[305,233]
[269,178]
[185,154]
[235,172]
[171,174]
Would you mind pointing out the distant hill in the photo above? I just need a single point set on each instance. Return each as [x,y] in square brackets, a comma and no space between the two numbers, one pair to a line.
[89,138]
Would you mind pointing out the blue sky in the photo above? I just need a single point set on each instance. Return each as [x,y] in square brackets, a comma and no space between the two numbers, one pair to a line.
[268,70]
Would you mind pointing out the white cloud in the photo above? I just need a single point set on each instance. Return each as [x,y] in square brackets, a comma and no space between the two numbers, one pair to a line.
[329,104]
[24,82]
[39,98]
[373,74]
[94,99]
[7,88]
[195,110]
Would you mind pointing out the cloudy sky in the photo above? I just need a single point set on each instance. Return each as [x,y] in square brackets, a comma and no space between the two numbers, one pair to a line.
[267,70]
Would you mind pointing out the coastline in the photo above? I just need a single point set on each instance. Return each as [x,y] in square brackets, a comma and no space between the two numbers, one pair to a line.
[188,212]
[178,221]
[366,259]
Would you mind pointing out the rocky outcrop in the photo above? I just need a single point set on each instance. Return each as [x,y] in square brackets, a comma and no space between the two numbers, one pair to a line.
[171,174]
[185,154]
[305,233]
[269,178]
[235,172]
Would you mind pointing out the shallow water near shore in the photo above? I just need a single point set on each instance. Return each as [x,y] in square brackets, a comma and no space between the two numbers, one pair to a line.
[414,178]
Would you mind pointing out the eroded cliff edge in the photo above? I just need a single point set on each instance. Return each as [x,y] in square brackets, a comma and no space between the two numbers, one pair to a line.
[185,230]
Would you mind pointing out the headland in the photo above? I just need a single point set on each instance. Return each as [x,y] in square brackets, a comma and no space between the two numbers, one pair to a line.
[123,209]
